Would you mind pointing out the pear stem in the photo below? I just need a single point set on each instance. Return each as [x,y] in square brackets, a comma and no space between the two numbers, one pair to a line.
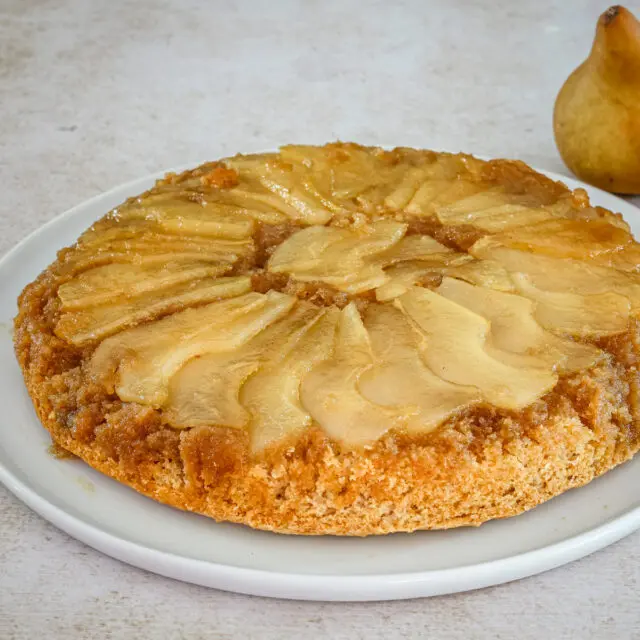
[610,14]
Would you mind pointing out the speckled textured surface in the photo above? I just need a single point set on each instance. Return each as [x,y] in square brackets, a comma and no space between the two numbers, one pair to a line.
[91,97]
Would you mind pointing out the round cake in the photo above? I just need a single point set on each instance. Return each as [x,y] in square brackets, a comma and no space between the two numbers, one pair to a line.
[343,340]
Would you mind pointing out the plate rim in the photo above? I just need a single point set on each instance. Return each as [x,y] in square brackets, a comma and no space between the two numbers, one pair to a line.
[318,587]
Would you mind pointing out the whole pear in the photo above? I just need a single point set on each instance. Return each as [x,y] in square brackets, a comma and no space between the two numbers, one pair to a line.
[596,118]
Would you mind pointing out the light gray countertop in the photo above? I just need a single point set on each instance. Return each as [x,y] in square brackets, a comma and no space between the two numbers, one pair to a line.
[93,94]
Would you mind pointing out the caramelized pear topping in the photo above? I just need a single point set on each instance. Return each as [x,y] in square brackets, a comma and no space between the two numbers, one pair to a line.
[176,292]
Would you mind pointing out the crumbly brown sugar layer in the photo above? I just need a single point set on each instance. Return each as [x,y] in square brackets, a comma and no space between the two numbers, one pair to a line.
[351,341]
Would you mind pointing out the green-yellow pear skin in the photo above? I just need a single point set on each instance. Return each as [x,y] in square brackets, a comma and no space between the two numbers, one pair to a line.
[596,118]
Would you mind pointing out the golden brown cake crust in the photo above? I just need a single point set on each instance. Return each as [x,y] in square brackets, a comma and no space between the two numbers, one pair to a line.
[482,463]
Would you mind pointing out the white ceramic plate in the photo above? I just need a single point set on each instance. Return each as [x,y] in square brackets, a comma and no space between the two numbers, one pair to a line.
[121,523]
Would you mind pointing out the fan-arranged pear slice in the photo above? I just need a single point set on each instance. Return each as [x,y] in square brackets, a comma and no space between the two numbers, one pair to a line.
[403,192]
[458,190]
[425,272]
[577,276]
[595,315]
[288,184]
[109,229]
[228,250]
[514,329]
[454,349]
[483,273]
[343,258]
[284,181]
[90,323]
[568,238]
[415,247]
[188,218]
[239,201]
[627,259]
[330,391]
[508,216]
[380,196]
[422,203]
[464,209]
[322,172]
[205,392]
[147,357]
[143,243]
[204,224]
[400,378]
[272,395]
[210,389]
[495,211]
[253,194]
[355,260]
[138,232]
[190,214]
[343,171]
[113,281]
[82,261]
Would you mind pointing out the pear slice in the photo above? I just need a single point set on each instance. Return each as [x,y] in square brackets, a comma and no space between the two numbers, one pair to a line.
[340,172]
[204,225]
[284,180]
[402,193]
[415,247]
[113,281]
[421,202]
[343,258]
[149,356]
[395,185]
[175,244]
[483,273]
[206,220]
[258,197]
[105,231]
[139,232]
[510,216]
[594,315]
[459,210]
[84,261]
[304,249]
[627,259]
[347,171]
[432,198]
[568,238]
[238,201]
[400,379]
[576,276]
[452,167]
[459,190]
[209,390]
[395,287]
[454,349]
[403,276]
[81,326]
[505,213]
[205,392]
[330,391]
[354,261]
[289,187]
[272,395]
[141,244]
[186,217]
[514,330]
